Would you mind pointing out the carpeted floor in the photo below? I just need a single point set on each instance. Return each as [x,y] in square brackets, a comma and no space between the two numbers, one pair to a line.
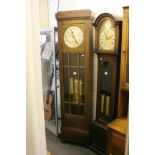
[56,147]
[51,126]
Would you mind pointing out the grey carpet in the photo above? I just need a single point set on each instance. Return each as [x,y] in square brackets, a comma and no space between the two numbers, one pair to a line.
[51,126]
[56,147]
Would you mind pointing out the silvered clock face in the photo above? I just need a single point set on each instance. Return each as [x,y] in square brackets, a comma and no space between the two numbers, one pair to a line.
[73,36]
[107,36]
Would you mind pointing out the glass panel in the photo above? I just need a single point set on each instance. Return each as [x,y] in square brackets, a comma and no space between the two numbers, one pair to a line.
[65,59]
[74,86]
[66,85]
[67,110]
[82,86]
[106,78]
[127,67]
[73,59]
[105,90]
[82,111]
[82,59]
[74,83]
[105,108]
[74,109]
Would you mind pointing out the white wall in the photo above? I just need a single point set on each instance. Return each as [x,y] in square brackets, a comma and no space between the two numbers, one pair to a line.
[35,126]
[44,13]
[98,6]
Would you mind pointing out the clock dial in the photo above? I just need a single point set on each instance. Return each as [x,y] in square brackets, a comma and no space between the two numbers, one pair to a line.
[73,36]
[107,36]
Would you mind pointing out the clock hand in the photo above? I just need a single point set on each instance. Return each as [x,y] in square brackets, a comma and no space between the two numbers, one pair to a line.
[75,39]
[105,35]
[74,36]
[109,37]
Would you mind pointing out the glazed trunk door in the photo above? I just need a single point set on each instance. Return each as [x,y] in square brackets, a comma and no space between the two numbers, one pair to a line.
[74,105]
[106,86]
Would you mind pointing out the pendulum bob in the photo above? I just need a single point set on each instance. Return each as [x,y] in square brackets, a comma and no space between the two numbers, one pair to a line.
[71,88]
[107,105]
[76,89]
[102,103]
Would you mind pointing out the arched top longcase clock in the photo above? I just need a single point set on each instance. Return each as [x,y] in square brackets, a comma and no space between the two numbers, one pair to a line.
[75,45]
[108,49]
[107,34]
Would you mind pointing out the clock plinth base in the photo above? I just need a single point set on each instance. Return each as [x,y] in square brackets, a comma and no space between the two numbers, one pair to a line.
[98,137]
[80,137]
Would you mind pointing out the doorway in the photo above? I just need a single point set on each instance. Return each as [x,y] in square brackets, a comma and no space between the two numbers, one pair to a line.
[50,79]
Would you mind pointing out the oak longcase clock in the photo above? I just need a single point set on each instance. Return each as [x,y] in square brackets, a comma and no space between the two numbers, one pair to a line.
[108,49]
[75,45]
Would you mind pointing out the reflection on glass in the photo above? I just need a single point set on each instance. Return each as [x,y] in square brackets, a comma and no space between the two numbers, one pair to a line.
[81,88]
[82,111]
[66,108]
[71,88]
[65,59]
[106,78]
[104,114]
[74,109]
[82,85]
[73,59]
[76,90]
[105,90]
[82,59]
